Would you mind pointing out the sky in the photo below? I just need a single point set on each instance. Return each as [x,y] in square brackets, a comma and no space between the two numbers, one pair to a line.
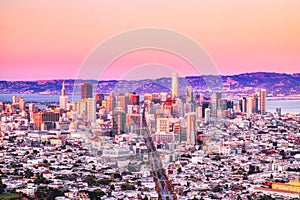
[52,39]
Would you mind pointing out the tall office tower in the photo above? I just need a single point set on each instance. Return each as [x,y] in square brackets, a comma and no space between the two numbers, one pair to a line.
[32,107]
[229,104]
[222,104]
[162,125]
[241,104]
[215,97]
[82,109]
[174,91]
[15,99]
[122,102]
[22,104]
[118,120]
[90,109]
[263,101]
[199,113]
[99,98]
[187,108]
[45,117]
[249,105]
[189,94]
[135,99]
[206,115]
[111,102]
[132,98]
[244,104]
[86,91]
[255,103]
[191,128]
[63,99]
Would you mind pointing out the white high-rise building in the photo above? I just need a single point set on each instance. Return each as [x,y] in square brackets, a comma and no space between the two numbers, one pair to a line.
[206,115]
[22,104]
[63,99]
[174,92]
[189,94]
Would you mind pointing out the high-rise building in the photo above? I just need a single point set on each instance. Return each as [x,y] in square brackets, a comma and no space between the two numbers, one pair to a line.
[99,98]
[191,128]
[118,120]
[263,101]
[111,102]
[90,109]
[86,91]
[241,104]
[63,99]
[45,117]
[122,102]
[15,99]
[189,94]
[32,107]
[215,97]
[22,104]
[255,103]
[174,91]
[249,105]
[199,113]
[207,116]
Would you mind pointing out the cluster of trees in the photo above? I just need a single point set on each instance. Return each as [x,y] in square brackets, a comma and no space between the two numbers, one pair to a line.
[40,179]
[2,186]
[91,180]
[127,186]
[48,193]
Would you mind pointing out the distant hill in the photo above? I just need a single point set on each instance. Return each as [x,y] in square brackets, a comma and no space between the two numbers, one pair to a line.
[277,84]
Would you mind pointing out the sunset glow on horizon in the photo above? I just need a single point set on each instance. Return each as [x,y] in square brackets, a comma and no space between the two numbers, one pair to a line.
[51,40]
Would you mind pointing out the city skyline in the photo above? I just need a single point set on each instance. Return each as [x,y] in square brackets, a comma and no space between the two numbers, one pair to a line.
[43,40]
[160,100]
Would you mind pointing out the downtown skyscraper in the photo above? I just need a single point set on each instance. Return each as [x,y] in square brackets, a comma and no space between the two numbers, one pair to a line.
[63,99]
[86,91]
[174,91]
[263,101]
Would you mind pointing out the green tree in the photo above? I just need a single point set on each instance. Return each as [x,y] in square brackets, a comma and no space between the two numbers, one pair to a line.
[112,187]
[2,186]
[96,194]
[179,170]
[28,173]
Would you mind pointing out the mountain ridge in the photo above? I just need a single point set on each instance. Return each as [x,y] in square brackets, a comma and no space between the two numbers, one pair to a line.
[277,84]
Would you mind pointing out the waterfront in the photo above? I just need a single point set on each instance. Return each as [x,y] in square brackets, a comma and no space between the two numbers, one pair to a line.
[287,106]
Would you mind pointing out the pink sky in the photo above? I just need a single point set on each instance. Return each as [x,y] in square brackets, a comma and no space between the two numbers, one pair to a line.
[50,39]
